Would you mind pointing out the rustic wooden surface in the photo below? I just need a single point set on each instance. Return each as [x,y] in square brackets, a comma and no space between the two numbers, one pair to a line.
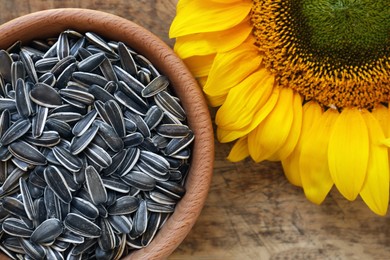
[252,212]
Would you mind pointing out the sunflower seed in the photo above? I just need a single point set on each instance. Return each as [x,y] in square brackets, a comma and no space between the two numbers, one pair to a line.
[69,237]
[61,127]
[7,104]
[5,65]
[153,117]
[44,95]
[95,186]
[35,251]
[57,183]
[176,145]
[98,41]
[172,189]
[74,50]
[131,158]
[85,208]
[152,227]
[140,221]
[169,104]
[98,155]
[107,240]
[13,244]
[14,206]
[15,131]
[22,99]
[139,180]
[152,172]
[79,143]
[39,121]
[141,124]
[67,159]
[49,200]
[156,162]
[82,226]
[48,78]
[16,227]
[5,121]
[81,248]
[120,223]
[159,208]
[84,123]
[60,246]
[66,116]
[46,64]
[124,205]
[52,254]
[100,93]
[107,70]
[27,200]
[157,85]
[115,117]
[130,125]
[109,136]
[89,78]
[29,65]
[65,76]
[101,254]
[126,59]
[47,139]
[62,64]
[63,46]
[78,95]
[47,231]
[131,103]
[92,62]
[130,81]
[40,211]
[117,160]
[173,130]
[27,153]
[133,139]
[115,185]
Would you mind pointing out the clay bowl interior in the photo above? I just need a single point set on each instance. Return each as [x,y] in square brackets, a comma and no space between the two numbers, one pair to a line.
[48,23]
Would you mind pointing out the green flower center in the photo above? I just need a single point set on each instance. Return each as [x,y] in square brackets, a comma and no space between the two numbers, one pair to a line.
[347,31]
[335,52]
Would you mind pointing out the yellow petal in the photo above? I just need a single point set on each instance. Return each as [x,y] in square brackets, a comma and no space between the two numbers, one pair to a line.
[244,100]
[295,131]
[212,42]
[348,152]
[313,166]
[311,113]
[375,190]
[229,69]
[239,151]
[199,16]
[200,65]
[225,136]
[382,115]
[271,134]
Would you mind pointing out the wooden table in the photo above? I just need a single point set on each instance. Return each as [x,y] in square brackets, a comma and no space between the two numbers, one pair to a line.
[252,212]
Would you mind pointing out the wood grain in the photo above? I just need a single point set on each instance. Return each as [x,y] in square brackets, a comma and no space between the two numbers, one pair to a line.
[252,212]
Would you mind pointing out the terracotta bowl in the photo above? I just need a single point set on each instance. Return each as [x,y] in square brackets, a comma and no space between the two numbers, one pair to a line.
[41,25]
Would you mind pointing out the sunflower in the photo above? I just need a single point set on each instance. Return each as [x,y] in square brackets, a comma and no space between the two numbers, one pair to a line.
[304,82]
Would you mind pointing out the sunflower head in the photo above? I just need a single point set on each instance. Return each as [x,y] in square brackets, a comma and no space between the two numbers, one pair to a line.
[333,51]
[304,82]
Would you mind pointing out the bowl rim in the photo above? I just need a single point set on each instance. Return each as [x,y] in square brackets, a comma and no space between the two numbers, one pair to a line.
[52,21]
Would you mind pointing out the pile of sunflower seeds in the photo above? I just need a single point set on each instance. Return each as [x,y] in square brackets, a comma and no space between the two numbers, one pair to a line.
[94,149]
